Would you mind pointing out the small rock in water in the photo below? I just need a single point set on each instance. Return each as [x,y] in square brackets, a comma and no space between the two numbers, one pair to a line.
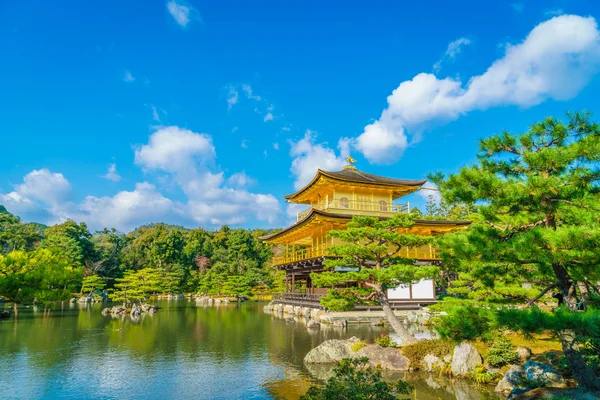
[312,324]
[512,379]
[4,314]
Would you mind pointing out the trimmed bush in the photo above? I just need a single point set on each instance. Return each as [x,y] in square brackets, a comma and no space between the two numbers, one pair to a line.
[358,345]
[501,352]
[417,351]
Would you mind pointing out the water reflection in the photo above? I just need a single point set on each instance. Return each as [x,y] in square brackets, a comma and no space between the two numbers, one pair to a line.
[183,351]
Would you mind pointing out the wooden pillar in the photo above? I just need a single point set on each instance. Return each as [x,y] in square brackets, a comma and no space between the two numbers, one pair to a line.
[293,282]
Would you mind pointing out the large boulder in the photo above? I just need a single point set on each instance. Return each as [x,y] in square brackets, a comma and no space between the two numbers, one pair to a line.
[331,351]
[334,351]
[543,375]
[465,359]
[513,378]
[389,358]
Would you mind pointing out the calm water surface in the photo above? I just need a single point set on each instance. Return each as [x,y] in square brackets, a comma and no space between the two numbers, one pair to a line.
[183,351]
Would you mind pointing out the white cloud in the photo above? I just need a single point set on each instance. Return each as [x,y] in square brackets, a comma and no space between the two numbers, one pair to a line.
[454,48]
[553,12]
[186,157]
[555,61]
[49,187]
[276,146]
[310,156]
[155,112]
[128,77]
[244,144]
[182,12]
[232,97]
[248,91]
[234,129]
[175,149]
[430,189]
[112,174]
[129,209]
[240,179]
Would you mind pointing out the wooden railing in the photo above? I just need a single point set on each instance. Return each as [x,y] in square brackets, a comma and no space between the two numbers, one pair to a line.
[426,252]
[298,298]
[379,208]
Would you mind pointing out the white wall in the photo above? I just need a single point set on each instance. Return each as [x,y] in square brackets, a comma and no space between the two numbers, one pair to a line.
[424,289]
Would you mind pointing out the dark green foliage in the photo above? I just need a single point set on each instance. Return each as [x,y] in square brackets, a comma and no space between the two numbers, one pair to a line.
[354,380]
[15,235]
[466,323]
[501,352]
[417,351]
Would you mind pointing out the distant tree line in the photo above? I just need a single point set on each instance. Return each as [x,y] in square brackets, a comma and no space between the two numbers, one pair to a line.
[41,263]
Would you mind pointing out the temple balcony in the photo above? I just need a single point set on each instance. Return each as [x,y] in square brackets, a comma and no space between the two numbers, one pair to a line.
[423,253]
[358,207]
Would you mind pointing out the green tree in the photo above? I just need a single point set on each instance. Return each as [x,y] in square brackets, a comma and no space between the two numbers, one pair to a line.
[92,283]
[236,286]
[71,241]
[537,194]
[354,380]
[138,285]
[15,235]
[374,247]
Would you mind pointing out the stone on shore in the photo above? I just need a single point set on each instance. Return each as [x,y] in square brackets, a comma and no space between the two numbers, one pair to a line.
[543,375]
[514,377]
[524,353]
[465,359]
[335,350]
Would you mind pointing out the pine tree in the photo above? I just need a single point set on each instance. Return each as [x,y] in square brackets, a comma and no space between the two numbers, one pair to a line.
[538,199]
[374,246]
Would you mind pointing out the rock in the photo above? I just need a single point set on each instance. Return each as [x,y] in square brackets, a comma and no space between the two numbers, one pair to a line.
[315,313]
[287,309]
[289,320]
[388,358]
[524,353]
[465,359]
[331,351]
[85,300]
[543,375]
[431,363]
[516,393]
[217,301]
[307,312]
[513,378]
[73,300]
[151,311]
[105,311]
[4,314]
[225,301]
[340,323]
[135,311]
[412,316]
[312,324]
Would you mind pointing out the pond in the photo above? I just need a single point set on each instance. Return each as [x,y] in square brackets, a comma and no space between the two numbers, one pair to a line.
[183,351]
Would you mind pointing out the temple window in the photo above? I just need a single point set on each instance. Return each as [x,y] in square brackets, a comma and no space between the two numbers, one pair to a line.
[344,203]
[383,206]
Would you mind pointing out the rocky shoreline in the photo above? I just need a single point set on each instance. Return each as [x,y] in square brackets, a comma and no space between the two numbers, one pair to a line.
[520,381]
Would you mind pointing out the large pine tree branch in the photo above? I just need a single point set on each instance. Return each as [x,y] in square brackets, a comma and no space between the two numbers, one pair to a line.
[539,296]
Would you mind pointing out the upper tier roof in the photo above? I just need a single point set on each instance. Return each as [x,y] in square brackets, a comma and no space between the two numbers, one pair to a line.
[352,175]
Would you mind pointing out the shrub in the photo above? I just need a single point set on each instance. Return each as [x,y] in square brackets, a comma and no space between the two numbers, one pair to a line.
[417,351]
[465,323]
[353,379]
[501,352]
[358,345]
[482,375]
[385,341]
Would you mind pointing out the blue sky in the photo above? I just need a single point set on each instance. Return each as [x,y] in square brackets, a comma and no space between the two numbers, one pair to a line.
[119,113]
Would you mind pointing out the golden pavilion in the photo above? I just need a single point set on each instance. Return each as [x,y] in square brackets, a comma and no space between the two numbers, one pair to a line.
[333,198]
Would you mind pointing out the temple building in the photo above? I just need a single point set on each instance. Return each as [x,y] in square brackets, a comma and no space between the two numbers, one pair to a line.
[332,199]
